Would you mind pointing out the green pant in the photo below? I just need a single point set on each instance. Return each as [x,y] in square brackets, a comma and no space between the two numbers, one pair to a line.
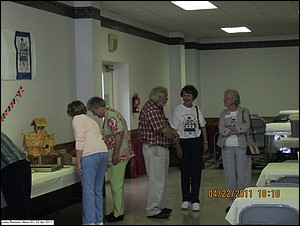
[116,176]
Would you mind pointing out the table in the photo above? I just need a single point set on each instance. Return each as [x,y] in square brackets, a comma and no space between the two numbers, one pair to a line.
[263,195]
[45,182]
[291,142]
[275,170]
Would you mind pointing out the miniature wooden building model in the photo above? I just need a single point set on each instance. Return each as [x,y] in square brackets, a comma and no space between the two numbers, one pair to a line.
[38,143]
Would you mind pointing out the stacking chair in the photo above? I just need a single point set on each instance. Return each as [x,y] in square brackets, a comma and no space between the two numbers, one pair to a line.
[269,214]
[288,179]
[291,161]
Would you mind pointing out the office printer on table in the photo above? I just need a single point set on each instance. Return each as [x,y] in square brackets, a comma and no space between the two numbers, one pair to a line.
[280,129]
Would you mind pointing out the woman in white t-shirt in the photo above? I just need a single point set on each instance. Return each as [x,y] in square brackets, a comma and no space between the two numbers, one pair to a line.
[189,122]
[234,124]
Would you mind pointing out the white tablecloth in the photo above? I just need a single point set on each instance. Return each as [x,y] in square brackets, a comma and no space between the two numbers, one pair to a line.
[45,182]
[275,170]
[288,196]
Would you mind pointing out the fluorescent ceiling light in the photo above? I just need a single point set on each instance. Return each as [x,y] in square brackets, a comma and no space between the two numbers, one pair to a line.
[235,29]
[194,5]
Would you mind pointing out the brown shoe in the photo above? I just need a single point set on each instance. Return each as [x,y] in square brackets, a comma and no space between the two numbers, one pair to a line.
[160,215]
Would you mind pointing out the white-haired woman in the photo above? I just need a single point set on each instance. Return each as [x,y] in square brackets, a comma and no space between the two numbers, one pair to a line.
[234,124]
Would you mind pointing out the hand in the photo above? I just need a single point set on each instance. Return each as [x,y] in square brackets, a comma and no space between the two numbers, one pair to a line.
[176,135]
[205,147]
[79,170]
[179,152]
[115,158]
[232,128]
[232,132]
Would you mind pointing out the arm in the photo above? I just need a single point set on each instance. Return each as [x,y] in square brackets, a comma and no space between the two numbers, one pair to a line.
[178,151]
[170,133]
[79,134]
[205,139]
[78,164]
[118,141]
[233,130]
[223,129]
[244,124]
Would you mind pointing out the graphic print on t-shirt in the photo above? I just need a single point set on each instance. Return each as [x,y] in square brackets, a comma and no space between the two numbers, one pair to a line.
[189,125]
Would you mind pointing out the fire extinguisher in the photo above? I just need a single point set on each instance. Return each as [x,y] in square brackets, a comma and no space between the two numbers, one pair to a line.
[136,101]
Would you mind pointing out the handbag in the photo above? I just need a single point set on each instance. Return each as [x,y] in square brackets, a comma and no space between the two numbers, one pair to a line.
[252,148]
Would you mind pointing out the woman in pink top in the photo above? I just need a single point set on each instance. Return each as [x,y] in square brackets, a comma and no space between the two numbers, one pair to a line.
[91,158]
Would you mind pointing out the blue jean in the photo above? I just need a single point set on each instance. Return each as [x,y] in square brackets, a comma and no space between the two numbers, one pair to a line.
[93,167]
[190,166]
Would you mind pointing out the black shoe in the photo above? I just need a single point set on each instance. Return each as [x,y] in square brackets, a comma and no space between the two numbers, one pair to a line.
[167,210]
[160,215]
[112,218]
[108,215]
[227,209]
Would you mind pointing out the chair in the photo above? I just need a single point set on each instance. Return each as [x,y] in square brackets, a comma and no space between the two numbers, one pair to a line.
[291,161]
[269,214]
[288,179]
[281,185]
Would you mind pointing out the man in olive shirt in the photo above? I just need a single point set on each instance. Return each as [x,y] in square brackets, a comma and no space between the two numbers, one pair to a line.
[15,180]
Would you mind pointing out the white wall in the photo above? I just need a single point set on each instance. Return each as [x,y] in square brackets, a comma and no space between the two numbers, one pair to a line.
[148,64]
[55,85]
[266,78]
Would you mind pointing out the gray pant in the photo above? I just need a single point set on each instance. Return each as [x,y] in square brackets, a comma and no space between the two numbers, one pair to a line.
[157,165]
[237,170]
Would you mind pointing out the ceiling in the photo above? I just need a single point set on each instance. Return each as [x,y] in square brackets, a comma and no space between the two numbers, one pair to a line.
[263,18]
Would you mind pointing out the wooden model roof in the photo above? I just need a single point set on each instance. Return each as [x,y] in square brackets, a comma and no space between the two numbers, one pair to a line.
[39,122]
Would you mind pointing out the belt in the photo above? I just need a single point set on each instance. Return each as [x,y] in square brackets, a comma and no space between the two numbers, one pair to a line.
[150,145]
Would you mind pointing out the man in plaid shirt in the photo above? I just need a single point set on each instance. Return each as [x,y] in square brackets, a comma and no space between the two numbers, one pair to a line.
[156,136]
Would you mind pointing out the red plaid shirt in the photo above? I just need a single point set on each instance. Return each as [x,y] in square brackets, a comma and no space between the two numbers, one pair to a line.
[152,120]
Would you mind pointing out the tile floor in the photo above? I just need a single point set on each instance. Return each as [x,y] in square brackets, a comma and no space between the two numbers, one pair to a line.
[212,210]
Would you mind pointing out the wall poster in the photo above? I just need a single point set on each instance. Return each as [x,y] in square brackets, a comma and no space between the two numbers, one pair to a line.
[17,55]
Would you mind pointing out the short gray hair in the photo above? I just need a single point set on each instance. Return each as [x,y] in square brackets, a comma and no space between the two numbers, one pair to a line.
[235,96]
[157,93]
[95,102]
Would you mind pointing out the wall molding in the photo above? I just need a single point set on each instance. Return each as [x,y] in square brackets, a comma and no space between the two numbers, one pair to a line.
[240,45]
[90,12]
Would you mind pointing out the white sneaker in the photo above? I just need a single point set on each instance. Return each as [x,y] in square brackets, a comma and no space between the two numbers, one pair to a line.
[195,206]
[185,205]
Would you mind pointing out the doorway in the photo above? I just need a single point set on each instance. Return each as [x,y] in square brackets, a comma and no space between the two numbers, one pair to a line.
[115,87]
